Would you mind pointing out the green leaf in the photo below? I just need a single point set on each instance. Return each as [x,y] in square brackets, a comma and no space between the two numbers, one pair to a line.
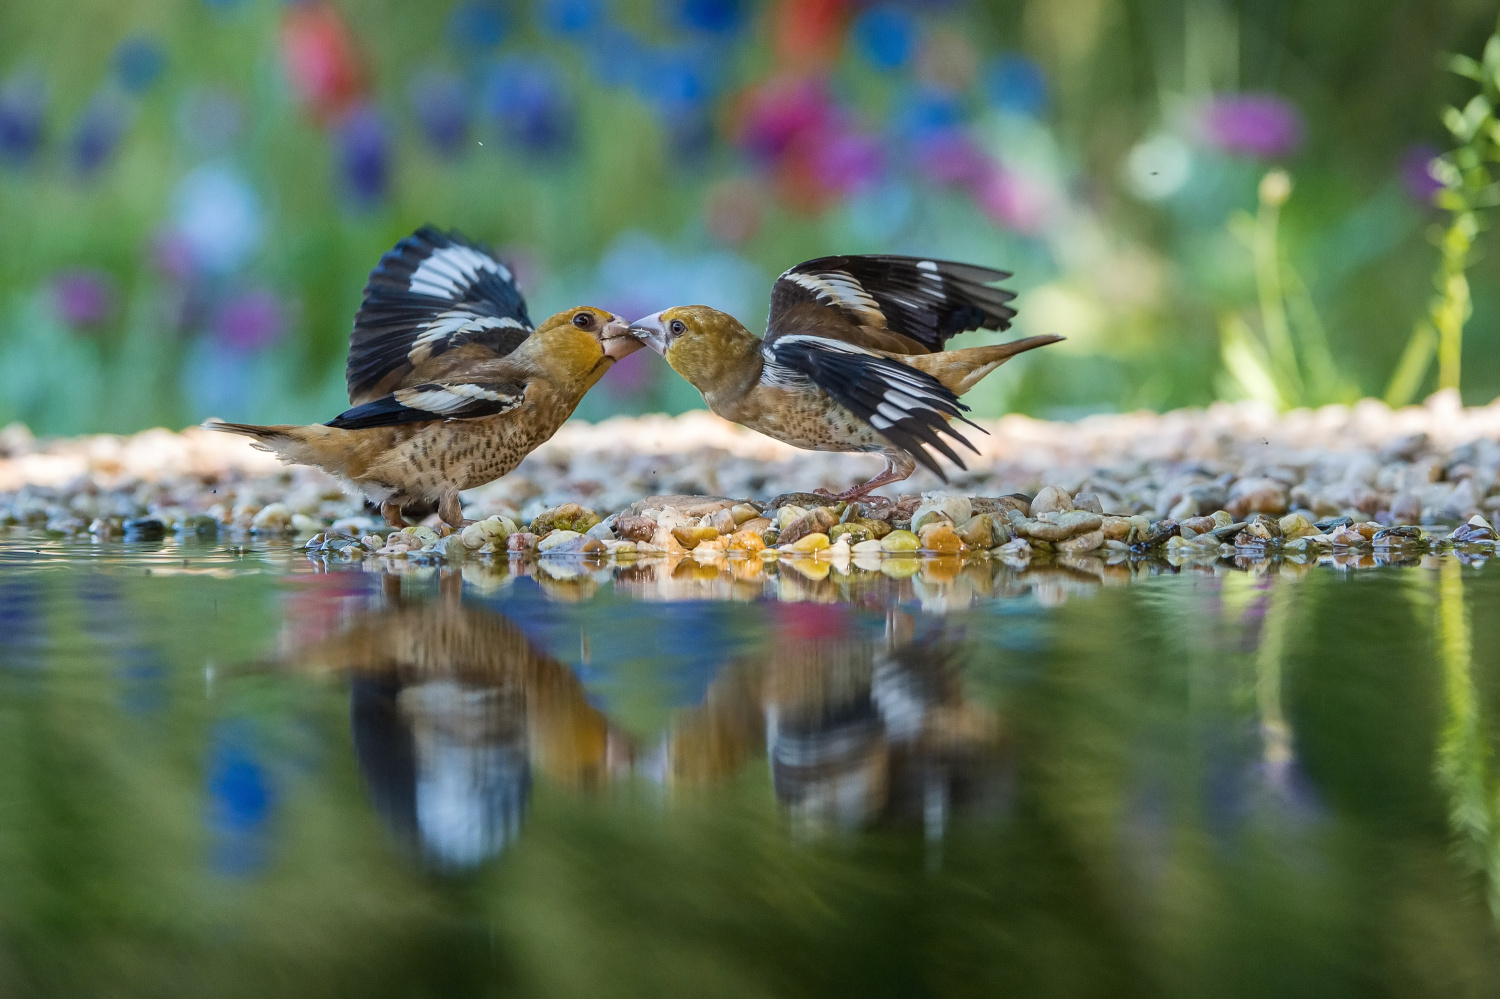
[1411,370]
[1246,362]
[1464,66]
[1455,122]
[1492,58]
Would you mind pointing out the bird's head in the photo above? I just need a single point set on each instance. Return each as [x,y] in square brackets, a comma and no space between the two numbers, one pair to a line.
[589,331]
[703,345]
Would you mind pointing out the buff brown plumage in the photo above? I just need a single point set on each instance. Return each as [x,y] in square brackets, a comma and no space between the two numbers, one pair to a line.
[450,384]
[853,357]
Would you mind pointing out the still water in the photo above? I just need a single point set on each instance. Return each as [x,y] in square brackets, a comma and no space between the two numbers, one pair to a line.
[238,771]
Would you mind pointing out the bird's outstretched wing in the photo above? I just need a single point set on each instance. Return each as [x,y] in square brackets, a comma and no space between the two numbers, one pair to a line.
[452,400]
[907,406]
[905,305]
[432,292]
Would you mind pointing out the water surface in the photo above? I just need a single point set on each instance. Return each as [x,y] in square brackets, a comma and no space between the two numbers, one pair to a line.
[239,771]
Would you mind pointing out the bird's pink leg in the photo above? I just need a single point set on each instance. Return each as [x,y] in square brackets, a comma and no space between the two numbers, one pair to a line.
[897,469]
[452,512]
[392,514]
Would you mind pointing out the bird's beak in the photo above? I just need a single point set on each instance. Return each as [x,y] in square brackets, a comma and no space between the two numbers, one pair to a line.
[652,331]
[617,340]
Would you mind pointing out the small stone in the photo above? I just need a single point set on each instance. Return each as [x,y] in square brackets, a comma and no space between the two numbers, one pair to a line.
[555,538]
[1258,495]
[573,544]
[452,547]
[567,517]
[743,512]
[1475,531]
[819,520]
[870,547]
[108,527]
[979,532]
[426,536]
[1296,525]
[1018,550]
[1115,528]
[941,506]
[757,524]
[1222,518]
[1347,537]
[1080,543]
[635,527]
[788,513]
[144,529]
[721,521]
[1089,502]
[692,535]
[940,538]
[521,541]
[1001,505]
[303,524]
[373,542]
[746,541]
[1199,525]
[900,541]
[601,532]
[618,548]
[900,566]
[1051,499]
[854,532]
[1058,526]
[1401,536]
[815,542]
[274,518]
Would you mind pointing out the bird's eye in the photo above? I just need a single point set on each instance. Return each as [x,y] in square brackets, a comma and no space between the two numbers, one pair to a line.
[678,327]
[583,320]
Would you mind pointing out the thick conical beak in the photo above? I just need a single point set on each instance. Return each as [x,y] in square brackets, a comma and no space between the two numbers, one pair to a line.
[617,340]
[652,331]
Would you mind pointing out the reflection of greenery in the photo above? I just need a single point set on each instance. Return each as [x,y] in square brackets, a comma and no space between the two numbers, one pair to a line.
[1463,753]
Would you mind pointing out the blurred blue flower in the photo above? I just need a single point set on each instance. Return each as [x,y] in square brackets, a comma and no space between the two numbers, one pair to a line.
[442,110]
[1416,173]
[714,16]
[568,18]
[218,215]
[250,320]
[139,60]
[924,114]
[210,120]
[878,213]
[1263,126]
[23,107]
[98,131]
[476,25]
[690,138]
[615,56]
[677,80]
[527,99]
[83,297]
[364,152]
[886,35]
[1016,84]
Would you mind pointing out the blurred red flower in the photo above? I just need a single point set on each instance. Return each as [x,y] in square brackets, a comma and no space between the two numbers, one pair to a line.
[319,53]
[809,31]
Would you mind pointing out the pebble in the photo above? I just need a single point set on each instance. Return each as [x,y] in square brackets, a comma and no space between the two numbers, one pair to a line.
[941,506]
[817,541]
[522,542]
[979,532]
[1080,543]
[566,517]
[900,541]
[1051,499]
[940,538]
[690,536]
[818,520]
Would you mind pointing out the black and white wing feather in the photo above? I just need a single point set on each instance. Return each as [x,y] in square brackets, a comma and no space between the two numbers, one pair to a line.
[927,301]
[433,401]
[908,407]
[432,292]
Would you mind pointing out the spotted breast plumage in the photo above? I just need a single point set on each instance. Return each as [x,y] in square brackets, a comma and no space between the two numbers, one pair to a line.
[853,358]
[449,382]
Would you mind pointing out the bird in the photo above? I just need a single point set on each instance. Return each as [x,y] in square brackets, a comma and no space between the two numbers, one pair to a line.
[449,382]
[853,358]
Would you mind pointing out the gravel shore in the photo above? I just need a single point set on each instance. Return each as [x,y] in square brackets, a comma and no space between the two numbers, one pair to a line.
[1139,479]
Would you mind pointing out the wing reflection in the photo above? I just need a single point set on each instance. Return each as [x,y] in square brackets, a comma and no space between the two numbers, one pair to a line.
[451,710]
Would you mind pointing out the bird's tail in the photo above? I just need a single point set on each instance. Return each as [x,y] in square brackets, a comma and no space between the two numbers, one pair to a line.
[294,445]
[961,370]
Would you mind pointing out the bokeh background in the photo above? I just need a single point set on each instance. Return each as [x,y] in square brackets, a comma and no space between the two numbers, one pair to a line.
[192,193]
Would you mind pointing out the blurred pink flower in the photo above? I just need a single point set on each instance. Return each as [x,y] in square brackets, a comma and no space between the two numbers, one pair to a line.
[775,114]
[318,51]
[83,298]
[849,161]
[172,254]
[250,320]
[951,157]
[1416,173]
[1014,201]
[1264,126]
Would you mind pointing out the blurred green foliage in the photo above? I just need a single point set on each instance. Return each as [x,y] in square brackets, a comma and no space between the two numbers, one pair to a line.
[1108,187]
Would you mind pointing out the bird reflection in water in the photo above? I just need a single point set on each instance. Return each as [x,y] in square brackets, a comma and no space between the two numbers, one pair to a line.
[856,731]
[451,709]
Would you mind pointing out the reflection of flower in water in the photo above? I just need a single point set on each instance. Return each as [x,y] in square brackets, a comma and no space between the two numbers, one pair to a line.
[1264,126]
[364,154]
[241,801]
[441,108]
[23,106]
[83,298]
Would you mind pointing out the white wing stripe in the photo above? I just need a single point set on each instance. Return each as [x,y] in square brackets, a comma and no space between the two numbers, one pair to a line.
[447,398]
[444,272]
